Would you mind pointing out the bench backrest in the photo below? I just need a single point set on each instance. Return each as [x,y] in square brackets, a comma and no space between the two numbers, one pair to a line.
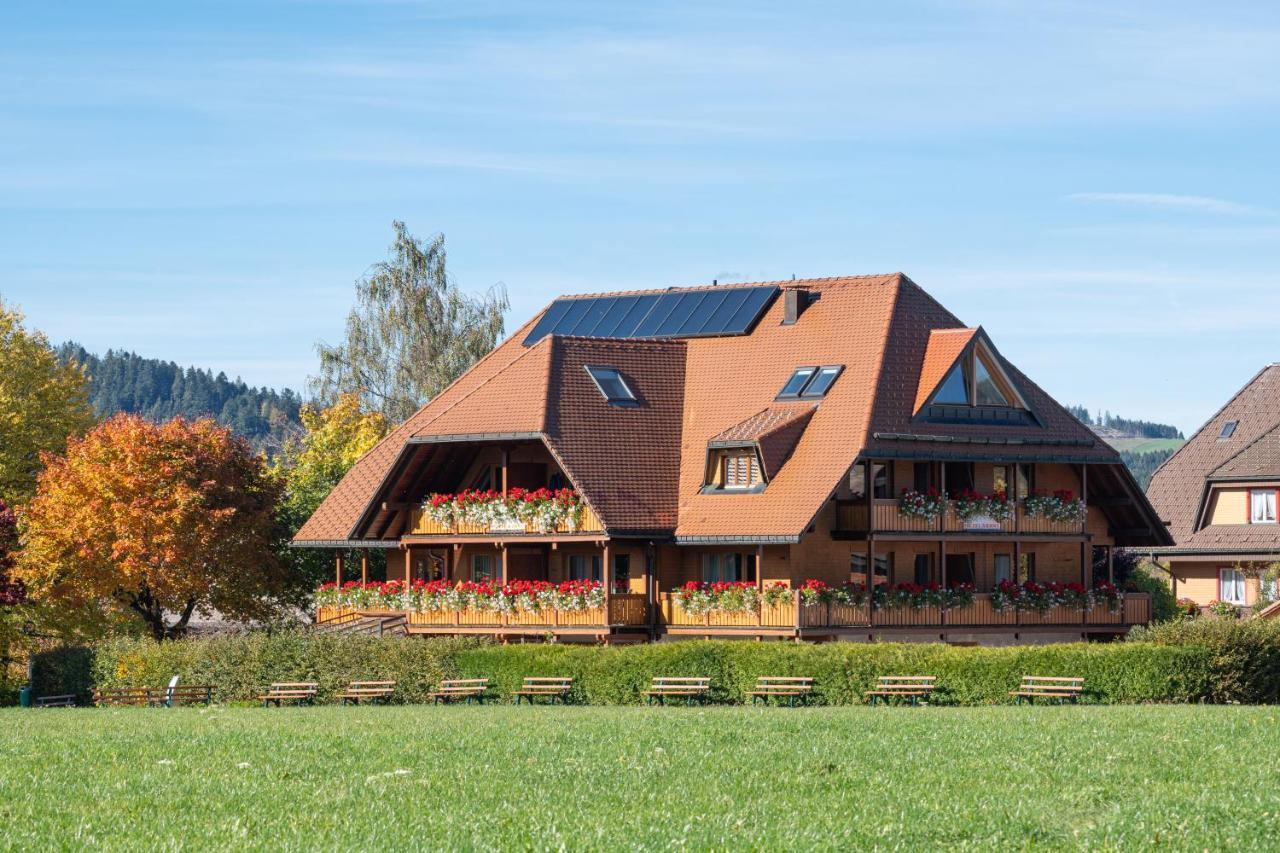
[1051,682]
[295,685]
[680,681]
[537,681]
[784,681]
[906,680]
[464,682]
[362,685]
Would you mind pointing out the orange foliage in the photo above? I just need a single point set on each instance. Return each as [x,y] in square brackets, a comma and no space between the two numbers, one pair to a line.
[157,520]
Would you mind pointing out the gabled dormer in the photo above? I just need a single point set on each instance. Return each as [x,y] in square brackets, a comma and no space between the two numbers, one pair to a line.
[747,455]
[963,379]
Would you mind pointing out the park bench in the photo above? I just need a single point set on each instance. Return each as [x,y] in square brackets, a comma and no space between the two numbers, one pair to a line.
[105,696]
[1035,687]
[781,687]
[298,692]
[373,691]
[185,694]
[551,688]
[910,687]
[62,700]
[460,688]
[677,687]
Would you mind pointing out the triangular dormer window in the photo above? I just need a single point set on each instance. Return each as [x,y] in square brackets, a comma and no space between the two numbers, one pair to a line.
[964,379]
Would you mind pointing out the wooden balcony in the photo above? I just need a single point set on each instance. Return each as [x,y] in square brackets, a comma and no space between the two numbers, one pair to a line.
[802,619]
[621,610]
[423,525]
[851,517]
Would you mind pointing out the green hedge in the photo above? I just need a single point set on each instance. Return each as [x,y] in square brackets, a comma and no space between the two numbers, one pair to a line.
[1244,654]
[240,666]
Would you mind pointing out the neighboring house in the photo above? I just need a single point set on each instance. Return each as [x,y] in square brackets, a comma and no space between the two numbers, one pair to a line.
[756,434]
[1218,494]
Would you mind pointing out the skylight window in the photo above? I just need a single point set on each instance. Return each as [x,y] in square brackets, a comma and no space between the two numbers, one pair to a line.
[810,383]
[977,379]
[1228,430]
[612,385]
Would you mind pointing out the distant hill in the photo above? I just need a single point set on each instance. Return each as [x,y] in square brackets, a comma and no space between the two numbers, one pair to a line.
[1143,445]
[158,390]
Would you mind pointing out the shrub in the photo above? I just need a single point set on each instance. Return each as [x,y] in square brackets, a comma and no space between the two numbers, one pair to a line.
[65,670]
[1144,577]
[240,666]
[1244,655]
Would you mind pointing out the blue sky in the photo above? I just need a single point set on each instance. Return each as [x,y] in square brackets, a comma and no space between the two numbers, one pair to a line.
[1095,183]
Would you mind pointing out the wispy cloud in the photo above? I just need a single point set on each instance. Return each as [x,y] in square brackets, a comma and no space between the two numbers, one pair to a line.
[1171,201]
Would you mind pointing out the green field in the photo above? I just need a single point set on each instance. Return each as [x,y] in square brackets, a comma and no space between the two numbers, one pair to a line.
[583,777]
[1145,445]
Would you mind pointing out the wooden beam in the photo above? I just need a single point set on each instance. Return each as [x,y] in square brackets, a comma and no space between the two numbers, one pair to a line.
[338,568]
[408,565]
[506,460]
[503,556]
[364,566]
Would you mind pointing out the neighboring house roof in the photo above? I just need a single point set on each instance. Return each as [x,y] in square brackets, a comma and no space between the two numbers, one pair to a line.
[642,468]
[1179,487]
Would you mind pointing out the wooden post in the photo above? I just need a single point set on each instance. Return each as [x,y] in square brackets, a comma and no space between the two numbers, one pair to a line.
[606,577]
[1085,565]
[942,563]
[1084,496]
[506,458]
[1012,486]
[942,487]
[1111,564]
[364,566]
[871,576]
[760,567]
[871,504]
[337,571]
[408,565]
[1017,561]
[503,555]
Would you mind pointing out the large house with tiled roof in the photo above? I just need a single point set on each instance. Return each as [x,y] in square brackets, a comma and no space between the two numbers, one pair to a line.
[805,459]
[1218,493]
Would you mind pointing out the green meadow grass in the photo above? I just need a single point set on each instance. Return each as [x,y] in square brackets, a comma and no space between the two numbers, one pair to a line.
[593,778]
[1146,445]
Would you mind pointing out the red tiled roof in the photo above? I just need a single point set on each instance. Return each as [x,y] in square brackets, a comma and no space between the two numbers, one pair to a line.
[1178,486]
[642,468]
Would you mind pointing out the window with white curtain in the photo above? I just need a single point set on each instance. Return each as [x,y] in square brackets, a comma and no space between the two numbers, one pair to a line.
[1231,586]
[728,567]
[1262,506]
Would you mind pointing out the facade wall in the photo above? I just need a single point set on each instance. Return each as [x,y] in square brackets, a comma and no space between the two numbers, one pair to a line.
[1229,506]
[1199,581]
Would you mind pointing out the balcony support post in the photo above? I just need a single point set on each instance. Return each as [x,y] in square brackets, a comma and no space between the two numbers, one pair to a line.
[1111,564]
[871,578]
[942,488]
[506,458]
[606,575]
[364,566]
[337,570]
[408,565]
[502,556]
[871,504]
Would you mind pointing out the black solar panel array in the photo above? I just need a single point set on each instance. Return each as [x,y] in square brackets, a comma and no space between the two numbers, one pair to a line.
[675,314]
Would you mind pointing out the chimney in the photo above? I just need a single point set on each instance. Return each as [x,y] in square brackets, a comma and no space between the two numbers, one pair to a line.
[794,301]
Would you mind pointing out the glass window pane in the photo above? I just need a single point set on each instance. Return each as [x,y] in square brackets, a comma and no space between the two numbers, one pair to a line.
[611,384]
[822,382]
[985,390]
[953,390]
[797,382]
[1004,567]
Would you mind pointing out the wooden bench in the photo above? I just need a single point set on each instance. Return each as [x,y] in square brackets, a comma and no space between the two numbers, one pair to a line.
[298,692]
[62,700]
[551,688]
[781,687]
[186,694]
[374,691]
[1035,687]
[910,687]
[460,688]
[106,696]
[678,687]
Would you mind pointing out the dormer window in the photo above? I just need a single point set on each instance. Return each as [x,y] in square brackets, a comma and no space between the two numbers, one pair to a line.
[611,384]
[740,470]
[1228,430]
[810,383]
[976,380]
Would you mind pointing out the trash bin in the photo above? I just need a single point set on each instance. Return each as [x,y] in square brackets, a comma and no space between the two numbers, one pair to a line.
[24,696]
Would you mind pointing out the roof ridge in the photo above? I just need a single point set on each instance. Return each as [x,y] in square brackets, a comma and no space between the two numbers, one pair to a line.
[782,283]
[1236,396]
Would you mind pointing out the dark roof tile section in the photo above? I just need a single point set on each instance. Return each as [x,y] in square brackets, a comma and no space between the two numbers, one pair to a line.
[1178,487]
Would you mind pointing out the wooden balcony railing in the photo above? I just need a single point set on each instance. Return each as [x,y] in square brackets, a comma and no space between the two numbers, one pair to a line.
[979,614]
[885,517]
[623,610]
[423,525]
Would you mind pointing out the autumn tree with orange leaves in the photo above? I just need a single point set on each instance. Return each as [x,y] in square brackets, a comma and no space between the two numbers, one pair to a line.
[155,521]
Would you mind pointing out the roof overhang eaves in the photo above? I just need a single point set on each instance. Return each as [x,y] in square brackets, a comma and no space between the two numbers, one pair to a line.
[1002,441]
[737,540]
[466,437]
[344,543]
[1210,553]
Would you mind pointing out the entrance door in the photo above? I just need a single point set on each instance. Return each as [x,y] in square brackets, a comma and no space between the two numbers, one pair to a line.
[959,569]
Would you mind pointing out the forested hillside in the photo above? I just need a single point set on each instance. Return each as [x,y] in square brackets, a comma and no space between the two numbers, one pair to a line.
[158,390]
[1143,445]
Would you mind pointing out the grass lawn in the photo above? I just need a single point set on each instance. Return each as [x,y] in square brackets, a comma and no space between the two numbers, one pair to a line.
[502,777]
[1146,445]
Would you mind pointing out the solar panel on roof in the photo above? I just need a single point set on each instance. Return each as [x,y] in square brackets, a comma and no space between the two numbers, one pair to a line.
[677,314]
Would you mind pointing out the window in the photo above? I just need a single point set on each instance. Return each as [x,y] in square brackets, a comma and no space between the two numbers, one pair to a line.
[986,388]
[810,383]
[959,476]
[621,572]
[1231,585]
[481,567]
[924,568]
[1228,430]
[1262,506]
[922,476]
[612,385]
[955,389]
[728,567]
[1004,567]
[1028,567]
[977,379]
[881,480]
[858,567]
[1025,472]
[740,470]
[584,567]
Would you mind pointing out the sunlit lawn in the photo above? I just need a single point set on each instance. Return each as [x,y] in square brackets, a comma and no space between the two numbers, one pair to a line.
[503,777]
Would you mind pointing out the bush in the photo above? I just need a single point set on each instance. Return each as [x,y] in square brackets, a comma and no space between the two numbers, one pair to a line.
[61,671]
[1244,655]
[240,666]
[1144,577]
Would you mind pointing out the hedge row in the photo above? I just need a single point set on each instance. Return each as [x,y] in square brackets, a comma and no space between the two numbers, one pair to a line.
[240,666]
[1244,655]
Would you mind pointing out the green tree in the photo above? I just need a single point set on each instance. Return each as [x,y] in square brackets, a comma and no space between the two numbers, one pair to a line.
[43,402]
[334,439]
[411,333]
